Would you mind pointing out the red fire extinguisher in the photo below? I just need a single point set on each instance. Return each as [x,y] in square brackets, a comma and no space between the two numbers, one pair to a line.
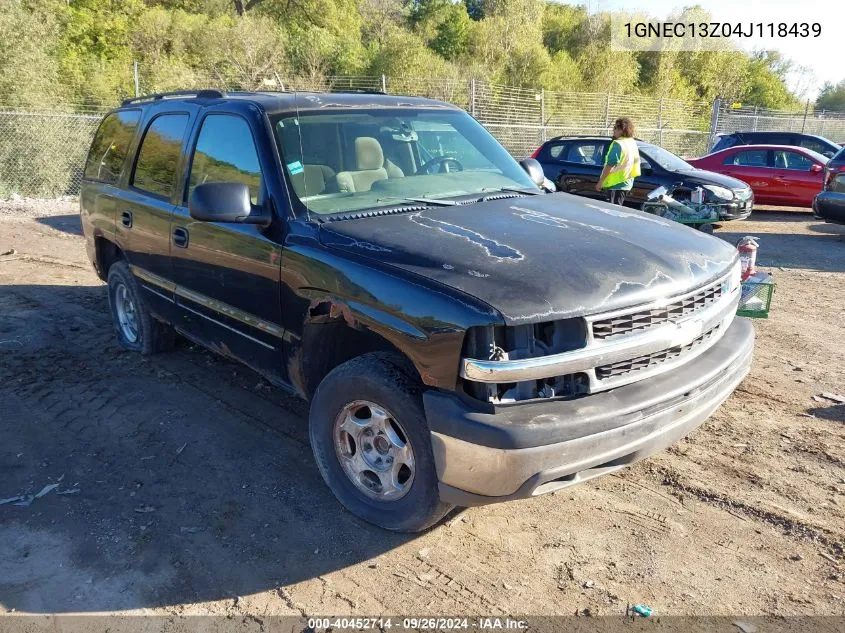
[747,248]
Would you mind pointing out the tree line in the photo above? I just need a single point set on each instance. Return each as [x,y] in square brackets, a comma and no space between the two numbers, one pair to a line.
[80,52]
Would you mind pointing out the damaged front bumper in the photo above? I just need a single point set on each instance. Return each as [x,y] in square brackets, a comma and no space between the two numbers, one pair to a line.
[529,449]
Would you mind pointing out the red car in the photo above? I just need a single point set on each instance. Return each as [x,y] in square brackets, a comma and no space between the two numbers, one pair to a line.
[778,174]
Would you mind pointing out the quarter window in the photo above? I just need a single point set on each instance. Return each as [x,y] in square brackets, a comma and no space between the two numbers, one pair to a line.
[155,171]
[225,152]
[110,146]
[554,150]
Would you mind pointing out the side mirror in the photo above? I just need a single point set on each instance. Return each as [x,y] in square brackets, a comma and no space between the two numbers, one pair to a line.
[815,168]
[224,202]
[534,170]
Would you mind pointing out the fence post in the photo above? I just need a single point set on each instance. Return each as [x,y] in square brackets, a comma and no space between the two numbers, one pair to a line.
[543,115]
[383,83]
[714,122]
[607,112]
[756,118]
[135,76]
[660,122]
[472,97]
[821,132]
[804,122]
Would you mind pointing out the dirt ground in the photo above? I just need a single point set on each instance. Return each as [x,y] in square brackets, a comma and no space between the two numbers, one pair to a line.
[191,488]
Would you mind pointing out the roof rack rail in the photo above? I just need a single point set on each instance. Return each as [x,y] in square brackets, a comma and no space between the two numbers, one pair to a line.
[358,91]
[211,93]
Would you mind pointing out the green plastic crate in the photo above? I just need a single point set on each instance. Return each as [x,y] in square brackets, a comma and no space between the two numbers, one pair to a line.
[756,298]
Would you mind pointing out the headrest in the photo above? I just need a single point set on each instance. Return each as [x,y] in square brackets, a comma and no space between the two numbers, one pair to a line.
[368,153]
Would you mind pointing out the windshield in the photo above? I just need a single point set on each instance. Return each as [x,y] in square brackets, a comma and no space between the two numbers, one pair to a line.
[666,159]
[341,162]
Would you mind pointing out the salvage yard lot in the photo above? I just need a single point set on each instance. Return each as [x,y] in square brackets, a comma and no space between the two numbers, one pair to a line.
[197,492]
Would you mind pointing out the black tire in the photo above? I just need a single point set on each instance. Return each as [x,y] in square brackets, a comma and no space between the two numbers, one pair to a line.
[152,335]
[385,380]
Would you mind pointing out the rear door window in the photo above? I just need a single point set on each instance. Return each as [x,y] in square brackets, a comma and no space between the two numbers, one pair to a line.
[158,158]
[225,152]
[111,145]
[586,152]
[749,158]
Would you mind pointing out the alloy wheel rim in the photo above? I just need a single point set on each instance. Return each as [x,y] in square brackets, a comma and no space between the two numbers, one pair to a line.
[374,451]
[127,315]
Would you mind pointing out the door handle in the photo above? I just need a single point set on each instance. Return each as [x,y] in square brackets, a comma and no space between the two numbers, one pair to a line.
[126,219]
[180,237]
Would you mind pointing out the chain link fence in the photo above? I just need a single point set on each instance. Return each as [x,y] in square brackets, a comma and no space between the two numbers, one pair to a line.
[42,153]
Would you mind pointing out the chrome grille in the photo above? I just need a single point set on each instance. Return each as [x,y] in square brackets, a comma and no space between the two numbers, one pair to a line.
[649,360]
[634,321]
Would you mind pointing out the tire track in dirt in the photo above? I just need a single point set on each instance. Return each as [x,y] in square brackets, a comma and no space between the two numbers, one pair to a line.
[792,527]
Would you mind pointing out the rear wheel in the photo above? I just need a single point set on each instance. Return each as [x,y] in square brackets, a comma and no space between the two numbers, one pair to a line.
[134,325]
[372,444]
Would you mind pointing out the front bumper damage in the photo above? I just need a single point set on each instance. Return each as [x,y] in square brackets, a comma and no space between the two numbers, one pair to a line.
[528,449]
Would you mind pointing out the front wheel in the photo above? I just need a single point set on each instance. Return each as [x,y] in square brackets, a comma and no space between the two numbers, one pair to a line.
[372,444]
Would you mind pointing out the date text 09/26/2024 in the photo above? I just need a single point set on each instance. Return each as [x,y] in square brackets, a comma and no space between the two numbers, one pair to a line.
[417,623]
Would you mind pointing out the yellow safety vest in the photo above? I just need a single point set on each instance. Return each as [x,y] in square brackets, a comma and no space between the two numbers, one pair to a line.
[628,166]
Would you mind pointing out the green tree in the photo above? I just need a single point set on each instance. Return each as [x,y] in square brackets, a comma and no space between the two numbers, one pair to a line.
[563,26]
[832,97]
[444,26]
[765,83]
[404,54]
[562,74]
[245,53]
[475,9]
[29,68]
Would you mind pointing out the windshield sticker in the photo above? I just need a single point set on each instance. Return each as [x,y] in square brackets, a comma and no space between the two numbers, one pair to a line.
[295,168]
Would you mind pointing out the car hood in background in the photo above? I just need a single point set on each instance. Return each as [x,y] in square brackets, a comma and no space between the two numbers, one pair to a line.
[704,177]
[540,258]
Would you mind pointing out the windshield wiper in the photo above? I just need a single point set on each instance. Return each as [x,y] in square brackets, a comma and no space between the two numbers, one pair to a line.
[513,190]
[429,201]
[527,192]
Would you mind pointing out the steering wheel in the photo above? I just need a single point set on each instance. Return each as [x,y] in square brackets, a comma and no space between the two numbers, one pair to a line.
[443,162]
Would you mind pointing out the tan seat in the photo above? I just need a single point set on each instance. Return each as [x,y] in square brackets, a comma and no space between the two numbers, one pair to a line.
[314,180]
[371,167]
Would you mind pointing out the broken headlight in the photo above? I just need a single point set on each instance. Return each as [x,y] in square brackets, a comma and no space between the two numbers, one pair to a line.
[719,194]
[526,341]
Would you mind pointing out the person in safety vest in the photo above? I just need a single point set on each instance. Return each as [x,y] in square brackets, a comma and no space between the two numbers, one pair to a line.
[621,164]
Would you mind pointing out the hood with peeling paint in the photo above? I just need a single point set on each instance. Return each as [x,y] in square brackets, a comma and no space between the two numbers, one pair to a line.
[539,258]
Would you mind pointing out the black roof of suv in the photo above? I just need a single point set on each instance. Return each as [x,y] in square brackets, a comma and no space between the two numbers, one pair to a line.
[819,144]
[274,102]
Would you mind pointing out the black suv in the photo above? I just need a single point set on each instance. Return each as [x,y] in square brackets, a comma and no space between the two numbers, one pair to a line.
[574,165]
[819,144]
[829,204]
[463,338]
